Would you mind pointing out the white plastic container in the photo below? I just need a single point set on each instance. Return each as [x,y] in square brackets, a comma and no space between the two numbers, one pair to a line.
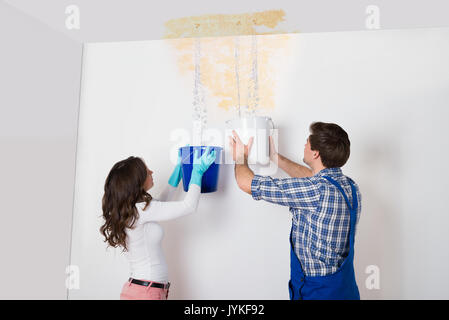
[258,127]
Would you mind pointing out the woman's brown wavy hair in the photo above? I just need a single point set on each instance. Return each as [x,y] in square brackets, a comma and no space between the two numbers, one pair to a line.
[124,187]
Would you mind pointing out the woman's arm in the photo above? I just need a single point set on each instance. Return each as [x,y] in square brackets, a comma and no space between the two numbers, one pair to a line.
[168,193]
[173,182]
[162,211]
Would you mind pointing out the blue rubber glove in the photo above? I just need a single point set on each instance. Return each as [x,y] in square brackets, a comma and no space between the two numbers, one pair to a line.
[176,176]
[201,164]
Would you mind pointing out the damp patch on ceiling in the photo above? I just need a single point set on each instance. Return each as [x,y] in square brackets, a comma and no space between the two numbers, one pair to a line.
[216,25]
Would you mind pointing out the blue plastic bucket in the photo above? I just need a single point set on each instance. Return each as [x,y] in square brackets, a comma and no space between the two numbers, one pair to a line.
[210,177]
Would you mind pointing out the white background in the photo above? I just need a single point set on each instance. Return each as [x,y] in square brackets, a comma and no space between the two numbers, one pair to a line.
[387,89]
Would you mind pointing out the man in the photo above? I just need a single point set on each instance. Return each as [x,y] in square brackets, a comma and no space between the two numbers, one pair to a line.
[325,207]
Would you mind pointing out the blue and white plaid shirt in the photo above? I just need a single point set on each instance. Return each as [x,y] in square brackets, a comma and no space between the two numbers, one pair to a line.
[320,222]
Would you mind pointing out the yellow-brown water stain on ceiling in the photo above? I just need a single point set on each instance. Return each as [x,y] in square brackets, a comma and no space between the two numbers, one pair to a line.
[217,25]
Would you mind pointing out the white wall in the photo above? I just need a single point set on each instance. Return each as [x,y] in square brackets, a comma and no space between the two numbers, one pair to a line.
[387,89]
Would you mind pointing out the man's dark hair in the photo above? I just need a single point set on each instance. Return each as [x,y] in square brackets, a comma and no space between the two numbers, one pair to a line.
[331,141]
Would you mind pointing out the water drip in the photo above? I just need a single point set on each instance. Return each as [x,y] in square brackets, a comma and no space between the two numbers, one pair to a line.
[199,108]
[253,82]
[237,78]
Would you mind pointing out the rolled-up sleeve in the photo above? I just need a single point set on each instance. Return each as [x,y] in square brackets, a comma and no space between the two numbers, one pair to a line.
[300,193]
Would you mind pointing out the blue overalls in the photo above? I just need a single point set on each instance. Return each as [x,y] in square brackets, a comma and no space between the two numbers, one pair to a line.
[340,285]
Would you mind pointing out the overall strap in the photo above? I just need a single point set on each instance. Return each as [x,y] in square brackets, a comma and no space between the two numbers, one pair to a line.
[352,209]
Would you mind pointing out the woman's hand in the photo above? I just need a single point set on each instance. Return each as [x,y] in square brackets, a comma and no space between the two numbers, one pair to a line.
[201,164]
[176,176]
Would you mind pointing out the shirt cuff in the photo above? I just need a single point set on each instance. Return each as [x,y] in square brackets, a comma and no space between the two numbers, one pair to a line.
[255,187]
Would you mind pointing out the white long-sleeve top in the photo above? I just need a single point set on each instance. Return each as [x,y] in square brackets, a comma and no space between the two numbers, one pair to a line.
[145,255]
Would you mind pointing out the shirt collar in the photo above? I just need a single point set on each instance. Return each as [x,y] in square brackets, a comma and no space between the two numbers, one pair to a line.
[330,172]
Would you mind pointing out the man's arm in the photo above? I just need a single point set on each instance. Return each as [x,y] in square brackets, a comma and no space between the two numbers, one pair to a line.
[292,168]
[244,175]
[292,192]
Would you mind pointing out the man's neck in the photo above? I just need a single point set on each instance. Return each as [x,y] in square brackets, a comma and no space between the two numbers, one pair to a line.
[317,168]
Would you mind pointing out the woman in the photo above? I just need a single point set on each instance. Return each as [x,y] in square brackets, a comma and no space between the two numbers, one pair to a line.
[131,217]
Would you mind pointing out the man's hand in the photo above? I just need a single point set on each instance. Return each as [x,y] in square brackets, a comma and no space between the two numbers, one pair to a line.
[240,151]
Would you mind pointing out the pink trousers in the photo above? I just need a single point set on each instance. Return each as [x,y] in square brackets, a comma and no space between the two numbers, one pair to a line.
[133,291]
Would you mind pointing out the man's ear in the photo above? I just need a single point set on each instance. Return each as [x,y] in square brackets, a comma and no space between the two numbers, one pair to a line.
[316,154]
